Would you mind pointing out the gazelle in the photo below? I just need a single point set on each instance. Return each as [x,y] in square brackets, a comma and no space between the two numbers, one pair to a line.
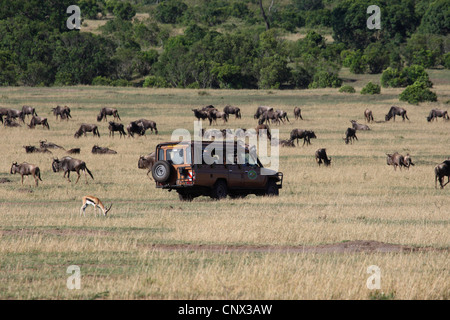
[95,202]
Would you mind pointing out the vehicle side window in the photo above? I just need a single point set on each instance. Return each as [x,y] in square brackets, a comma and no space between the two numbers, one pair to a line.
[160,154]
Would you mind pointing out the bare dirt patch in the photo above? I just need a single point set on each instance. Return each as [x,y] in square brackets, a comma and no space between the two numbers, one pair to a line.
[357,246]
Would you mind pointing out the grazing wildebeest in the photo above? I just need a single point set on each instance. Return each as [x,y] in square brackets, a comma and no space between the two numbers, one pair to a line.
[27,110]
[395,159]
[262,127]
[368,115]
[200,114]
[135,127]
[62,112]
[298,113]
[68,164]
[35,120]
[26,169]
[350,135]
[260,111]
[306,135]
[435,113]
[321,156]
[148,124]
[440,171]
[114,126]
[14,113]
[108,112]
[147,162]
[33,149]
[396,111]
[8,122]
[87,128]
[215,114]
[74,151]
[269,115]
[209,108]
[359,126]
[232,110]
[282,115]
[407,161]
[102,150]
[49,145]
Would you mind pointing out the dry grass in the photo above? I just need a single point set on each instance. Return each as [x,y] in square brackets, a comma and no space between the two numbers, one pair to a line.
[358,198]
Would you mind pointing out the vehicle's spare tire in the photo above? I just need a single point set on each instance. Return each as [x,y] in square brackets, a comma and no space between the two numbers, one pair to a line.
[161,171]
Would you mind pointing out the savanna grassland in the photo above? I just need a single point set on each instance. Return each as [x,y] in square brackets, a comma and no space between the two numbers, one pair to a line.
[150,244]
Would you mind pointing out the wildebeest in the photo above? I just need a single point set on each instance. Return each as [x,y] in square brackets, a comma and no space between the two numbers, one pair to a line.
[440,171]
[260,129]
[74,151]
[396,111]
[306,135]
[108,112]
[8,122]
[287,143]
[26,169]
[232,110]
[14,114]
[395,159]
[200,114]
[114,126]
[359,126]
[269,115]
[298,113]
[68,164]
[350,135]
[49,145]
[87,128]
[62,112]
[4,112]
[407,161]
[260,111]
[321,156]
[148,124]
[215,114]
[147,162]
[135,127]
[368,115]
[27,110]
[35,120]
[102,150]
[33,149]
[282,115]
[435,113]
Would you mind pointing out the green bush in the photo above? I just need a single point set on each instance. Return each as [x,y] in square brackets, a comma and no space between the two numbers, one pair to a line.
[446,60]
[347,89]
[121,83]
[325,79]
[417,92]
[170,11]
[401,78]
[371,88]
[155,82]
[101,81]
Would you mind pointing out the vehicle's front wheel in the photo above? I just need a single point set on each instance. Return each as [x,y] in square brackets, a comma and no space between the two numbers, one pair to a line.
[220,190]
[272,188]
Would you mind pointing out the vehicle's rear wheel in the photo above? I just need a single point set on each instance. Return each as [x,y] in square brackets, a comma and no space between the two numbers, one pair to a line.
[220,190]
[238,196]
[272,188]
[185,196]
[161,171]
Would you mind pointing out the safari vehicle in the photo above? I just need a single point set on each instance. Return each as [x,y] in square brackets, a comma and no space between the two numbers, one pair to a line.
[230,173]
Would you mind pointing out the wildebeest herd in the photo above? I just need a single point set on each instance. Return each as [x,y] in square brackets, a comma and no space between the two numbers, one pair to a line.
[264,115]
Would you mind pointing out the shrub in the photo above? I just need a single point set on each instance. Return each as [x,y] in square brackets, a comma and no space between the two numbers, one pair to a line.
[101,81]
[155,82]
[325,79]
[417,92]
[347,89]
[401,78]
[446,60]
[371,88]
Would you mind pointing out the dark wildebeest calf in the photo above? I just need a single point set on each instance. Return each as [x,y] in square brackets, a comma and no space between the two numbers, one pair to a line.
[396,111]
[147,162]
[102,150]
[435,113]
[35,120]
[33,149]
[368,115]
[135,127]
[200,114]
[306,135]
[87,128]
[108,112]
[232,110]
[298,113]
[114,126]
[350,135]
[321,156]
[440,171]
[26,169]
[68,164]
